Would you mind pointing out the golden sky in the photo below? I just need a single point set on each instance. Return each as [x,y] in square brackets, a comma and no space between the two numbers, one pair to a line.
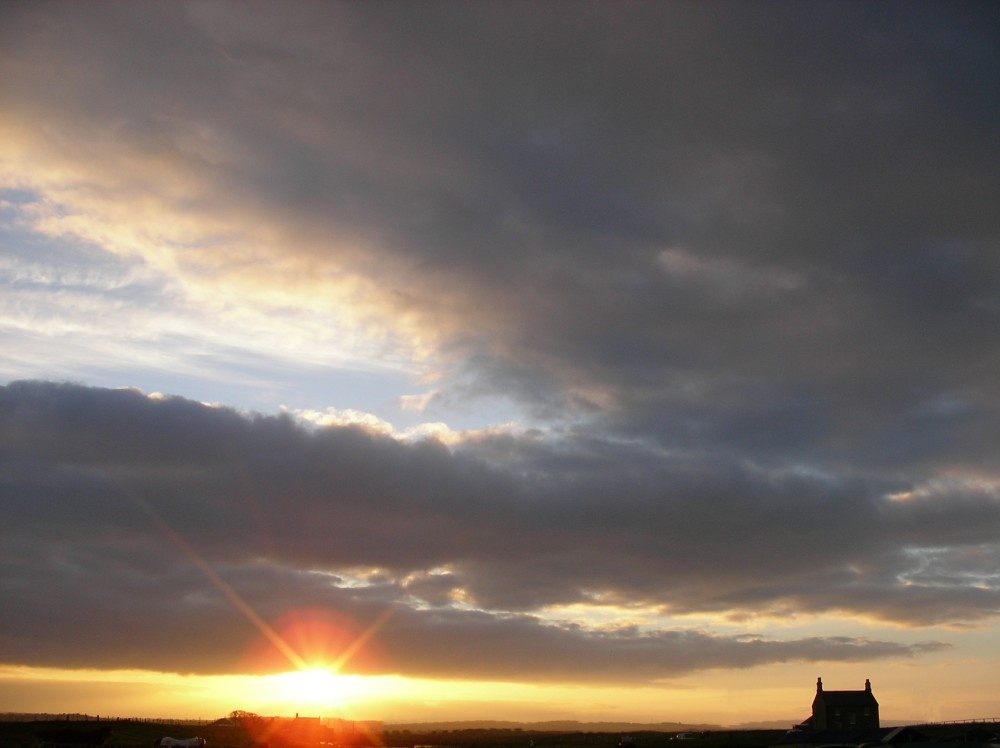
[629,361]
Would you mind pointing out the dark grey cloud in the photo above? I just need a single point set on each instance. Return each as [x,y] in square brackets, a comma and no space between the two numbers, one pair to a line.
[131,522]
[510,176]
[741,260]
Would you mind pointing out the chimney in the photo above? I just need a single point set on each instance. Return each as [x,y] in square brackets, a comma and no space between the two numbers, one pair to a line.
[868,685]
[819,685]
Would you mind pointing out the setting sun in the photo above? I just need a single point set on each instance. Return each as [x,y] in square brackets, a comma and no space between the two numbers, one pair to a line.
[317,688]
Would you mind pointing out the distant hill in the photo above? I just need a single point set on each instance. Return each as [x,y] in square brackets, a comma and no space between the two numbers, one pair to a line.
[774,724]
[551,726]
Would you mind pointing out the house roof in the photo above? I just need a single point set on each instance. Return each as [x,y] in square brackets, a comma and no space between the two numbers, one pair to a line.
[846,698]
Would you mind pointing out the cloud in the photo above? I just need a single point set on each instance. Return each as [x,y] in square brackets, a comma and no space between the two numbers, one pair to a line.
[115,503]
[737,269]
[509,229]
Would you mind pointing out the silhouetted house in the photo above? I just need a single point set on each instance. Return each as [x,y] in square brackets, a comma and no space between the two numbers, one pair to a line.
[843,710]
[301,730]
[846,718]
[849,719]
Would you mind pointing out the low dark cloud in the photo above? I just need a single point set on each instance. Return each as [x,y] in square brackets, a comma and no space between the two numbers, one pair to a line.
[128,521]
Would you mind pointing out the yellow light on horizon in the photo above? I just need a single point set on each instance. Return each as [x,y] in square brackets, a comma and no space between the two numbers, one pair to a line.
[310,688]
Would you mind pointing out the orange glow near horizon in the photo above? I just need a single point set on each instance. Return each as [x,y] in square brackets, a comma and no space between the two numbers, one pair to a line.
[318,643]
[907,693]
[297,664]
[315,687]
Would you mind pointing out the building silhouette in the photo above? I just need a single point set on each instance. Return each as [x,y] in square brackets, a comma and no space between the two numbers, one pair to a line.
[843,710]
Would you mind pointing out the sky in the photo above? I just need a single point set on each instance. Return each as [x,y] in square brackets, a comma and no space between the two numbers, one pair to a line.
[487,360]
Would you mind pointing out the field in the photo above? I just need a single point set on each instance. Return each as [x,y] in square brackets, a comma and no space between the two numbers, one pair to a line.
[530,739]
[124,733]
[133,734]
[136,734]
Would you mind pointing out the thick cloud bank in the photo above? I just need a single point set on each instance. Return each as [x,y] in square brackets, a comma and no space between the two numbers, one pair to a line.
[765,230]
[731,270]
[136,529]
